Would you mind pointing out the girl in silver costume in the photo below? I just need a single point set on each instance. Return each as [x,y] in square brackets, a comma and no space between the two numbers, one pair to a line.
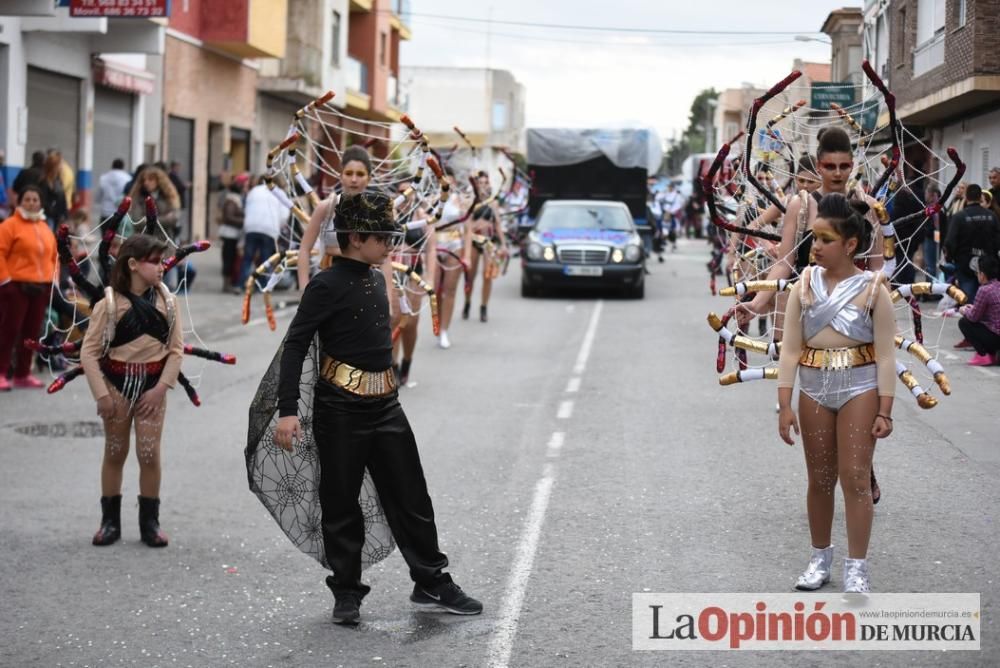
[843,352]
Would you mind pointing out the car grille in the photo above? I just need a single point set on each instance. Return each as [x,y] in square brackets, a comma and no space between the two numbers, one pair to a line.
[583,255]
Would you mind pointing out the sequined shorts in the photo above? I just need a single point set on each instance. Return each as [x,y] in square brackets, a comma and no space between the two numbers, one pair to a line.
[832,388]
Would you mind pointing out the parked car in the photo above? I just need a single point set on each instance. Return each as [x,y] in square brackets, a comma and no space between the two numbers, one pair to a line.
[583,243]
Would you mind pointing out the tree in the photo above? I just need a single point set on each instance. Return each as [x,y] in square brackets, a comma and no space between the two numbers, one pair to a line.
[693,138]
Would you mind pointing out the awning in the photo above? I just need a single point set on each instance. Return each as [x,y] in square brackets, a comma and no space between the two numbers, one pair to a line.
[123,78]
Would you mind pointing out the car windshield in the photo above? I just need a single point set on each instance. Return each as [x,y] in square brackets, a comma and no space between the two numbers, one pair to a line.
[584,217]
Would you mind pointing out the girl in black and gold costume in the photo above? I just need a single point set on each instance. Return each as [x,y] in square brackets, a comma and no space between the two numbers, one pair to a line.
[131,356]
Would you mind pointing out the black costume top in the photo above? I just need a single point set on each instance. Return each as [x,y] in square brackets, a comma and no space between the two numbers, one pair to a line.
[972,231]
[348,306]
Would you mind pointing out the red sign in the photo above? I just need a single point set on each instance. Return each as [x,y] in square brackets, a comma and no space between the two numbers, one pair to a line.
[125,9]
[109,75]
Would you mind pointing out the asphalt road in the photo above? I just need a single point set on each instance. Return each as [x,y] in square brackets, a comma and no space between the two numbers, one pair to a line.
[578,449]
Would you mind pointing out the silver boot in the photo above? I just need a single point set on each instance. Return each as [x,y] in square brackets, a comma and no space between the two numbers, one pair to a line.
[856,576]
[817,573]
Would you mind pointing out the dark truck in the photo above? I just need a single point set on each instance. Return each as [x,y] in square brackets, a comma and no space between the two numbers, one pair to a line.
[595,164]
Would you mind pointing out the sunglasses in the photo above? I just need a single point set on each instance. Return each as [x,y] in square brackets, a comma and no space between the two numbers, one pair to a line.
[834,167]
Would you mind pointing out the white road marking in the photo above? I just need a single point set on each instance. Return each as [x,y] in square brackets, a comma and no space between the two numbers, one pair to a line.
[588,339]
[555,444]
[949,356]
[502,643]
[988,372]
[510,607]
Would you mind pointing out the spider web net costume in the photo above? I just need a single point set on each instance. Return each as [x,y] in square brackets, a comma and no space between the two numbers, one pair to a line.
[287,483]
[752,181]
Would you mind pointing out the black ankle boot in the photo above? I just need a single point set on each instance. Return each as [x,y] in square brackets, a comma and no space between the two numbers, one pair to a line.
[149,522]
[465,310]
[111,521]
[482,313]
[404,373]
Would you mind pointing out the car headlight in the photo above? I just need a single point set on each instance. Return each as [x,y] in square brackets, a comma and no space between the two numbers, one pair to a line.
[534,251]
[633,253]
[549,253]
[617,255]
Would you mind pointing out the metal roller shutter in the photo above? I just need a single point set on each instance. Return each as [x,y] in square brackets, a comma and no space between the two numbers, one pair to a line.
[112,129]
[54,114]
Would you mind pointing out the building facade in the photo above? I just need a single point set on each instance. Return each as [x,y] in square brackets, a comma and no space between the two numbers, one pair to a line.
[944,68]
[78,85]
[210,76]
[486,104]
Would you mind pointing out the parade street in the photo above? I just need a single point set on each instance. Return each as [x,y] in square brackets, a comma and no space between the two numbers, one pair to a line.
[578,449]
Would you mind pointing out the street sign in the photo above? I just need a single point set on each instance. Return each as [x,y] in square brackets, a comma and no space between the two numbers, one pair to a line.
[125,9]
[824,92]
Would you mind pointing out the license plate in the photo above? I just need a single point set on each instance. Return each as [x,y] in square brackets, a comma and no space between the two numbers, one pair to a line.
[584,271]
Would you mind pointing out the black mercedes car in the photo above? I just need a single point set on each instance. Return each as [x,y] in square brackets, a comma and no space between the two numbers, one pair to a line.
[583,243]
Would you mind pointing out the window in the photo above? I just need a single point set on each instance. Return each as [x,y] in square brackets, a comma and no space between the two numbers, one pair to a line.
[499,116]
[961,13]
[929,51]
[899,57]
[930,20]
[335,42]
[381,49]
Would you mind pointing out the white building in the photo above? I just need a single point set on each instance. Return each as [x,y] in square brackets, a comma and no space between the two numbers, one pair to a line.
[77,84]
[486,104]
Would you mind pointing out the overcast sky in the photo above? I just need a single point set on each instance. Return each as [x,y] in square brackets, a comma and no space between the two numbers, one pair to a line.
[604,78]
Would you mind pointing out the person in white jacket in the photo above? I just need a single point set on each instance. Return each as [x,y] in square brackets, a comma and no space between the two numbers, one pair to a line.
[263,217]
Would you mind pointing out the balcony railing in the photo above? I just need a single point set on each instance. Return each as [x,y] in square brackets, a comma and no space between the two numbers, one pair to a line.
[928,55]
[356,75]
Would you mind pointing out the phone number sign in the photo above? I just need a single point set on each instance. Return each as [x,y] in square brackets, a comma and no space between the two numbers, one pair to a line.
[140,9]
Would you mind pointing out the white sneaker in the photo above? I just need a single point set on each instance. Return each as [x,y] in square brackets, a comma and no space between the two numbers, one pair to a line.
[443,341]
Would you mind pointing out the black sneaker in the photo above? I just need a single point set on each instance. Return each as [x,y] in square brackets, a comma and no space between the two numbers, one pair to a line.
[347,609]
[482,314]
[404,372]
[447,597]
[465,310]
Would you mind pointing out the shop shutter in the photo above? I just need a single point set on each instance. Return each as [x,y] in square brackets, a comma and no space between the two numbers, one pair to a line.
[53,114]
[112,129]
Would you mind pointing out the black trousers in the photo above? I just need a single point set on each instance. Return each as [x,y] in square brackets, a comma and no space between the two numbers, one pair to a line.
[983,339]
[353,434]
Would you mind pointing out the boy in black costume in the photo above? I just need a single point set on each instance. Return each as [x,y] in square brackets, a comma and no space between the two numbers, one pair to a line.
[357,420]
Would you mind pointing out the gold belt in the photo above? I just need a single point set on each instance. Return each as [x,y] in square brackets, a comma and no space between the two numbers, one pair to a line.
[838,358]
[356,381]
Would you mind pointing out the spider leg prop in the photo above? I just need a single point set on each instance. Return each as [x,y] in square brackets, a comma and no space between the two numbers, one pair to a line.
[917,350]
[747,375]
[772,350]
[211,355]
[189,389]
[708,185]
[63,378]
[183,252]
[924,400]
[93,292]
[755,108]
[894,126]
[907,291]
[431,295]
[743,287]
[68,348]
[105,261]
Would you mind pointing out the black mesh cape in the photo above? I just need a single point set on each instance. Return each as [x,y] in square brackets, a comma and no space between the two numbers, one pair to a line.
[287,483]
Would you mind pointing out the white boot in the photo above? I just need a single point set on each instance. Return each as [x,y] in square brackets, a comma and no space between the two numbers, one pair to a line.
[856,576]
[818,571]
[443,341]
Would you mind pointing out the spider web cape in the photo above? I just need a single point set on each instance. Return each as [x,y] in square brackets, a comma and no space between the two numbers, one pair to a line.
[287,483]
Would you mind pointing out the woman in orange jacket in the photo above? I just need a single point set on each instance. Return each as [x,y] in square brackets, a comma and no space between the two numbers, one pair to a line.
[27,266]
